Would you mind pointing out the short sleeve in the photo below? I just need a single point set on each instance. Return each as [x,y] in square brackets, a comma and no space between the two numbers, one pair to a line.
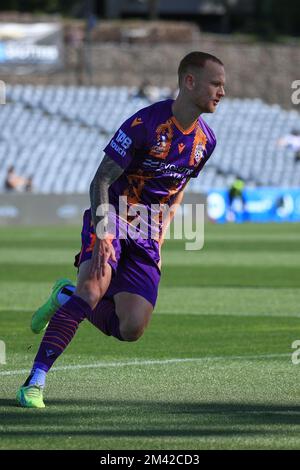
[129,138]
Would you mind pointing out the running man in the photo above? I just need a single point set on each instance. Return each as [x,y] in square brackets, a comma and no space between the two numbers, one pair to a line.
[149,161]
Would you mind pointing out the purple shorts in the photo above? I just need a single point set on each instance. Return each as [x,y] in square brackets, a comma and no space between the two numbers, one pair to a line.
[136,270]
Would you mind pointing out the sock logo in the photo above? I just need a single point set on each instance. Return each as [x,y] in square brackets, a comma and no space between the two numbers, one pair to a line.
[49,353]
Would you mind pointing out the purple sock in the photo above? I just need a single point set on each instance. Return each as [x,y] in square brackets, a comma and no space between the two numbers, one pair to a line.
[60,331]
[104,318]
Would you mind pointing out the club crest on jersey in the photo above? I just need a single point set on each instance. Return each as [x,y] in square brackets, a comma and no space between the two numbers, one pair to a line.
[161,145]
[164,135]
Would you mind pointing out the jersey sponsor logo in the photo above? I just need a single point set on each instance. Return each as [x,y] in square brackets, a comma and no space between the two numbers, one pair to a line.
[167,168]
[118,149]
[136,122]
[123,139]
[121,144]
[181,147]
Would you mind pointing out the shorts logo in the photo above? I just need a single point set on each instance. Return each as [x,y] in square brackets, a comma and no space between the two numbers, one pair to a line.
[121,144]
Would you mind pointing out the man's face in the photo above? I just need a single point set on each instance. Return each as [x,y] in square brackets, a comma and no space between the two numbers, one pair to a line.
[206,86]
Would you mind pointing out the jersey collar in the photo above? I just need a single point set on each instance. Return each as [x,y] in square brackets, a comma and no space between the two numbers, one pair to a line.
[179,127]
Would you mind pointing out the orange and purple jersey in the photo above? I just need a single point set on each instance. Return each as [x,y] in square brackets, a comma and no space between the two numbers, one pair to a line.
[157,155]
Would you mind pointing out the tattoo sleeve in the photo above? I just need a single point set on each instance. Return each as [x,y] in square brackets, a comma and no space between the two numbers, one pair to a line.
[106,174]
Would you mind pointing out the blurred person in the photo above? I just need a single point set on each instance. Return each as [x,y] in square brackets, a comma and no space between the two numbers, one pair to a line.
[29,185]
[149,161]
[142,90]
[291,141]
[14,182]
[148,91]
[236,193]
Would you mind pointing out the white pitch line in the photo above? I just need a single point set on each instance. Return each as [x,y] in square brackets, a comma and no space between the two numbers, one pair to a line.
[149,362]
[16,309]
[175,312]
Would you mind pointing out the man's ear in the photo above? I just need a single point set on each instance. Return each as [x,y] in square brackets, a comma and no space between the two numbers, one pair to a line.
[189,81]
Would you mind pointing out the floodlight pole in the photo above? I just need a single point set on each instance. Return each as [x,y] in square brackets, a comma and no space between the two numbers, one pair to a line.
[153,9]
[89,18]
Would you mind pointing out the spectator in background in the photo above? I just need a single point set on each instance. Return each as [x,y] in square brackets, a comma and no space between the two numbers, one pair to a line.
[236,192]
[28,185]
[148,91]
[13,182]
[292,141]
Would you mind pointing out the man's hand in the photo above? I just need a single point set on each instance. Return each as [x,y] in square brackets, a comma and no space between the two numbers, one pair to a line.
[103,250]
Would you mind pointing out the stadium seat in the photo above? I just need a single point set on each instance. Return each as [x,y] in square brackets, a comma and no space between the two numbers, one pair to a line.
[42,125]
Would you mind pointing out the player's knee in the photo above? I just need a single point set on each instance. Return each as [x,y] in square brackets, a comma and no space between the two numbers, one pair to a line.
[131,331]
[133,318]
[131,334]
[90,292]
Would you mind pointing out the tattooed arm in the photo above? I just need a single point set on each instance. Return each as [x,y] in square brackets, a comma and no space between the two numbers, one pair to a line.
[107,173]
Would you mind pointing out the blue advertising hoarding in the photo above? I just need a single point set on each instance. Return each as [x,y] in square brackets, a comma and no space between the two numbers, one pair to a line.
[257,205]
[31,45]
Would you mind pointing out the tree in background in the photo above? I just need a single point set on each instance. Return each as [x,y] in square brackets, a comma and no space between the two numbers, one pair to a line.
[40,6]
[277,17]
[269,18]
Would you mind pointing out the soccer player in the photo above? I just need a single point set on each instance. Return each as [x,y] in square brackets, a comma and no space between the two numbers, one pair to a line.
[149,161]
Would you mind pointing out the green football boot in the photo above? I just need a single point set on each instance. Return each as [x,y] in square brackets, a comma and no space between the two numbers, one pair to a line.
[30,397]
[42,316]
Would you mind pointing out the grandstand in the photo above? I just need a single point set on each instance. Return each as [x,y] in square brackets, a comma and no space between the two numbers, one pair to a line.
[41,126]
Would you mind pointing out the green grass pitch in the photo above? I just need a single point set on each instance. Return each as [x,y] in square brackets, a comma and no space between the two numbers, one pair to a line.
[213,370]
